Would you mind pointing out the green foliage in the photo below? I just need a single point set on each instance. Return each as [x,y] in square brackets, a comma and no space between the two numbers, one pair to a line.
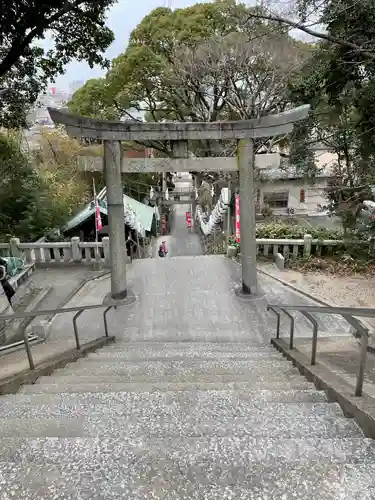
[339,84]
[23,211]
[78,30]
[279,230]
[201,63]
[34,198]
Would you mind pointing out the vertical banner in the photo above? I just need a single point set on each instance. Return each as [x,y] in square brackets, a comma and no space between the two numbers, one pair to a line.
[237,214]
[188,219]
[163,224]
[98,218]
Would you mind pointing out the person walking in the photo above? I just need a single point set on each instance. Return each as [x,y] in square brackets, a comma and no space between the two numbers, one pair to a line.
[129,248]
[7,287]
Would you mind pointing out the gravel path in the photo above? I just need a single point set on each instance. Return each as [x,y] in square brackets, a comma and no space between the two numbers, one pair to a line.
[355,291]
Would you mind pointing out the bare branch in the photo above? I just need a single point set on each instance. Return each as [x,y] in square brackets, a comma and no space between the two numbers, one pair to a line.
[323,36]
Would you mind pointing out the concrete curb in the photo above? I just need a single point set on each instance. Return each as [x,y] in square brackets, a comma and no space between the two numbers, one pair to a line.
[10,385]
[77,289]
[362,409]
[24,323]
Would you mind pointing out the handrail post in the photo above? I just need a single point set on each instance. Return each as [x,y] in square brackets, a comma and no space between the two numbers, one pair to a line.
[105,320]
[362,364]
[75,317]
[270,308]
[291,329]
[315,336]
[28,349]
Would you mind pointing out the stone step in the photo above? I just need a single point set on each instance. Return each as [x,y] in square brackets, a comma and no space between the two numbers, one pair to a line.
[286,421]
[201,468]
[227,468]
[257,379]
[182,368]
[159,405]
[91,384]
[114,481]
[240,389]
[239,347]
[199,451]
[178,354]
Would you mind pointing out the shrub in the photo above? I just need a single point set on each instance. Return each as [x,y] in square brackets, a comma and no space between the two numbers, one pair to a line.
[280,230]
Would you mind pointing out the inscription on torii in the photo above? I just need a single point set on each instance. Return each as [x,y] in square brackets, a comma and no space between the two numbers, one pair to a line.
[112,132]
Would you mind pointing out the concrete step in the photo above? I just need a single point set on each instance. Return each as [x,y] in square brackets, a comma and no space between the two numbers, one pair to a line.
[45,393]
[96,384]
[200,468]
[178,354]
[181,368]
[187,452]
[196,347]
[287,379]
[171,480]
[156,405]
[273,420]
[239,347]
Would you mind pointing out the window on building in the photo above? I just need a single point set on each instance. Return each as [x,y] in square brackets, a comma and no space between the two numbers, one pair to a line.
[276,199]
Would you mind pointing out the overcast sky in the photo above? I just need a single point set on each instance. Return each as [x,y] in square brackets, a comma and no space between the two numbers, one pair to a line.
[122,19]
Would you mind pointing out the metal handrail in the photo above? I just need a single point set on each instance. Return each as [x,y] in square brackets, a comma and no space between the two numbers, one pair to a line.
[347,313]
[51,312]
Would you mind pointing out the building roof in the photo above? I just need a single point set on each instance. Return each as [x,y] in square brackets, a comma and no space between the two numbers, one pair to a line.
[137,215]
[324,162]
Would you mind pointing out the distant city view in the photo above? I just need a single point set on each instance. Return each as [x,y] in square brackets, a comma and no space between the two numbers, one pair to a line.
[53,97]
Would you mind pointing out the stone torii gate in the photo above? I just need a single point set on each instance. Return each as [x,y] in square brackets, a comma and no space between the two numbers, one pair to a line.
[112,132]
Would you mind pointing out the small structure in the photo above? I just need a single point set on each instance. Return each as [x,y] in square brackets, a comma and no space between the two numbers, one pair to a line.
[139,219]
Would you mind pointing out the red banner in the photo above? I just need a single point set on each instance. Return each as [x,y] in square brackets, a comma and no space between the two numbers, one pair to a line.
[98,218]
[188,219]
[237,214]
[163,224]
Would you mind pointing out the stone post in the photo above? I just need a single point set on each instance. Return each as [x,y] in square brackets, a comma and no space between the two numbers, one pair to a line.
[245,159]
[76,251]
[14,248]
[116,224]
[307,248]
[106,251]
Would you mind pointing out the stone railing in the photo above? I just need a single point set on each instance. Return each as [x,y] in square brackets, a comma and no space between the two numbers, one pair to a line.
[298,248]
[288,248]
[45,253]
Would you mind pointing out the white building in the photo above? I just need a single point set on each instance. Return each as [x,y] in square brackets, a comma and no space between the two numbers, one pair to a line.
[285,191]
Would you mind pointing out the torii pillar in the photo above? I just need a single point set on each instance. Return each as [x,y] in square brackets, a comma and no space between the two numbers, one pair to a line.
[111,133]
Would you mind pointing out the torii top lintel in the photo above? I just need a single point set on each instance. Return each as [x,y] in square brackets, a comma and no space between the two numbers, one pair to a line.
[267,126]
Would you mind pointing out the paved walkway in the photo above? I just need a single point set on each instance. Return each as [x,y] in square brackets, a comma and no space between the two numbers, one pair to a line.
[184,297]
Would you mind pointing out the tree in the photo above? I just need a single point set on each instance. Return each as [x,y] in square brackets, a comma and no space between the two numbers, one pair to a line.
[25,205]
[201,63]
[340,8]
[339,84]
[56,161]
[79,31]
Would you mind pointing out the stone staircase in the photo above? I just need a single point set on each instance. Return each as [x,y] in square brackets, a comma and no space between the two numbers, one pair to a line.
[191,421]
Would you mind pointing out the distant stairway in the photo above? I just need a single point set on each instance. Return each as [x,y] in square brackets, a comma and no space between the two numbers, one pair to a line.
[175,421]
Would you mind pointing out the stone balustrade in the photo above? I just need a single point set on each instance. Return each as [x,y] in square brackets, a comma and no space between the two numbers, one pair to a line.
[43,253]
